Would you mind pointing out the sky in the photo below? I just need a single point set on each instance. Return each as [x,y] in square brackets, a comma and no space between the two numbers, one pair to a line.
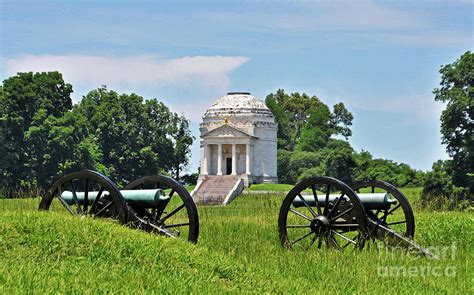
[380,58]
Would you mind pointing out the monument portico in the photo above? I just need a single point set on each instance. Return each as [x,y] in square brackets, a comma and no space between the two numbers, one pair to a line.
[238,143]
[227,151]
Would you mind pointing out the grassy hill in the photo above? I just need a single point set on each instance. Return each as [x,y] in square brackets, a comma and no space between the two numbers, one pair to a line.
[238,251]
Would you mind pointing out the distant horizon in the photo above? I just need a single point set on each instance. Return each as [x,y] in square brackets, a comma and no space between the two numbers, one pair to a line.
[381,59]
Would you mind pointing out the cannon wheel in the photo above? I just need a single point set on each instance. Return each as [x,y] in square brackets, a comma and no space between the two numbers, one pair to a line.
[109,203]
[341,224]
[401,221]
[171,220]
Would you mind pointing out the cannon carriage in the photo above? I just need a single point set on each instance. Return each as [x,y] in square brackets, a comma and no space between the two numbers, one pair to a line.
[156,204]
[318,213]
[325,213]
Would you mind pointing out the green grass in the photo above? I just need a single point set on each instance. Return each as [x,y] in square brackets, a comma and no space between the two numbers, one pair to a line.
[238,252]
[273,187]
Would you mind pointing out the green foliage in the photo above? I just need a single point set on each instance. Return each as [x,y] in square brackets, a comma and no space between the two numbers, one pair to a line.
[25,100]
[238,252]
[182,146]
[59,145]
[306,121]
[398,174]
[285,173]
[307,147]
[190,179]
[457,120]
[124,136]
[136,136]
[335,161]
[439,191]
[452,181]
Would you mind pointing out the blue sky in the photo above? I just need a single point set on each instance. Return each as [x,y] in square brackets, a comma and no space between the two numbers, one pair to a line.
[381,58]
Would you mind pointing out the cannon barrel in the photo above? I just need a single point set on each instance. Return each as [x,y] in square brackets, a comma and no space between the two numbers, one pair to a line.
[370,201]
[146,198]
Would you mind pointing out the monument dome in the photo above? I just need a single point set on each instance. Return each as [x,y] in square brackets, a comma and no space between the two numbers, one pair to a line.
[238,104]
[238,145]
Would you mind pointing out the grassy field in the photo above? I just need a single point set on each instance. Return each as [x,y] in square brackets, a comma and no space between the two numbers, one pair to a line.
[238,252]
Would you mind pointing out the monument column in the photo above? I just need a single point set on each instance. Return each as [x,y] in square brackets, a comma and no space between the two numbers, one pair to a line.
[207,159]
[219,159]
[247,159]
[234,160]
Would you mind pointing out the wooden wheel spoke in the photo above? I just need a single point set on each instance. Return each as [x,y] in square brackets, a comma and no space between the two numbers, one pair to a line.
[96,201]
[333,209]
[343,237]
[387,213]
[105,208]
[336,243]
[296,226]
[74,196]
[342,214]
[326,204]
[301,238]
[300,214]
[318,206]
[167,216]
[86,195]
[320,242]
[331,242]
[171,193]
[307,205]
[61,200]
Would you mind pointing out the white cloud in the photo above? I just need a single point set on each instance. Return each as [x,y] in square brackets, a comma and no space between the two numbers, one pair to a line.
[199,79]
[143,70]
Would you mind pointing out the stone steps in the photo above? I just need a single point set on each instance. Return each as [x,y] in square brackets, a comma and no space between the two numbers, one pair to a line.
[214,189]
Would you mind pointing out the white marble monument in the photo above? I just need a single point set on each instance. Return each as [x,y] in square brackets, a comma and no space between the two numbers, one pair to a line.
[239,137]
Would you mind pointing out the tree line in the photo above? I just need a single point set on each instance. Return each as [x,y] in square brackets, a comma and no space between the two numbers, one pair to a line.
[44,134]
[126,136]
[313,141]
[452,180]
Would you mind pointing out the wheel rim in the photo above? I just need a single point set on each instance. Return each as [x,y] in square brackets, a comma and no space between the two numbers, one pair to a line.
[340,225]
[178,219]
[399,217]
[107,203]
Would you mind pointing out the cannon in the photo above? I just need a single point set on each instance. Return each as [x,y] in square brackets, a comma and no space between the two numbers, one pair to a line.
[157,204]
[325,213]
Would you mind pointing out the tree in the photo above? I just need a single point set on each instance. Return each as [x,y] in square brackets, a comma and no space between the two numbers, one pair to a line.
[457,120]
[305,127]
[137,137]
[341,120]
[44,136]
[22,97]
[317,131]
[182,143]
[439,192]
[285,172]
[59,145]
[292,112]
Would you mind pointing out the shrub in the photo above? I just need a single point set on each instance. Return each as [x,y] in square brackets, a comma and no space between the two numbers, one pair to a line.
[439,192]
